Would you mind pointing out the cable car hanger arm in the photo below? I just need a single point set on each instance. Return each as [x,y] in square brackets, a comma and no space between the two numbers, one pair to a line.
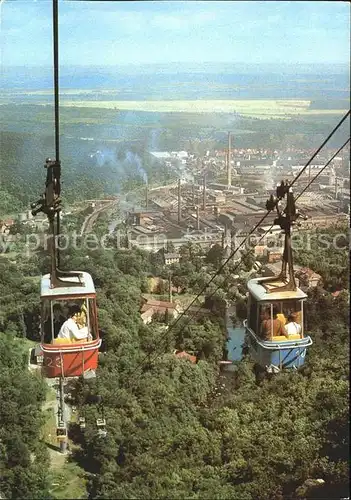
[50,201]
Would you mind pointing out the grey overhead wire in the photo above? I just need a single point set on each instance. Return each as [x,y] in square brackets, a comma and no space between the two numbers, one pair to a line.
[325,166]
[270,228]
[56,78]
[218,272]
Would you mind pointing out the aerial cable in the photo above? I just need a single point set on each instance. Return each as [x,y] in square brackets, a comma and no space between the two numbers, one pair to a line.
[147,358]
[56,106]
[259,222]
[321,146]
[218,272]
[259,240]
[267,232]
[56,79]
[325,166]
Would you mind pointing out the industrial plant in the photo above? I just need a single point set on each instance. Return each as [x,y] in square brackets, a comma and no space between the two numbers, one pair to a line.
[221,195]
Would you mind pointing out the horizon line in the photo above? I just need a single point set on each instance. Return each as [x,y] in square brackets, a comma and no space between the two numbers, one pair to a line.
[184,63]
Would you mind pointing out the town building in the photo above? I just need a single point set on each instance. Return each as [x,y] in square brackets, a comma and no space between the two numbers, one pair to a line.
[152,307]
[308,278]
[171,258]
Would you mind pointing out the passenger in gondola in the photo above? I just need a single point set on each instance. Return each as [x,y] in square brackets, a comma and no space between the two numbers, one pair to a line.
[265,314]
[265,323]
[70,329]
[272,326]
[82,317]
[58,320]
[293,327]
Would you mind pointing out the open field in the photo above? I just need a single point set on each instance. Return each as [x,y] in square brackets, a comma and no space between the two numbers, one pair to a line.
[259,108]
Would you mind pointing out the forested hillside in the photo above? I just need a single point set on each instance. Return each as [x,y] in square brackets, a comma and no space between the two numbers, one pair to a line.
[177,430]
[90,170]
[328,256]
[170,435]
[106,151]
[24,459]
[22,171]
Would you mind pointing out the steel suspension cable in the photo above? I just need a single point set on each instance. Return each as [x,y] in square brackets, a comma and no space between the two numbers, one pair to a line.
[56,79]
[322,146]
[56,106]
[268,212]
[218,272]
[325,166]
[270,228]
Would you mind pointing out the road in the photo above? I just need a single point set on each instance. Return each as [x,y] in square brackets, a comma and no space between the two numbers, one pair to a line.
[91,218]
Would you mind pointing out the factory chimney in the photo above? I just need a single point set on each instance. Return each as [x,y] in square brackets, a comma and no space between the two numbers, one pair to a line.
[336,188]
[170,287]
[197,218]
[147,195]
[204,193]
[226,243]
[179,203]
[229,170]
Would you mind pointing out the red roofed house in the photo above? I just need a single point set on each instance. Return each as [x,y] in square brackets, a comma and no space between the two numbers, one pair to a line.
[260,250]
[275,255]
[308,277]
[152,306]
[186,355]
[5,225]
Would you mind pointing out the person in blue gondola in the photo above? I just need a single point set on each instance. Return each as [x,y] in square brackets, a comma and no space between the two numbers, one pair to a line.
[70,329]
[292,327]
[272,326]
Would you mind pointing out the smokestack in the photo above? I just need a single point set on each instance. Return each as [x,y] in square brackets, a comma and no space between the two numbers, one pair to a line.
[197,218]
[179,203]
[170,287]
[204,194]
[229,170]
[147,195]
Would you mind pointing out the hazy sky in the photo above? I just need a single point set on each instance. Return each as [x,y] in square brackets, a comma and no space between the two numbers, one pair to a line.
[107,33]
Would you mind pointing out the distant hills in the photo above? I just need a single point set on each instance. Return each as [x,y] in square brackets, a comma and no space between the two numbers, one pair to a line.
[187,82]
[39,78]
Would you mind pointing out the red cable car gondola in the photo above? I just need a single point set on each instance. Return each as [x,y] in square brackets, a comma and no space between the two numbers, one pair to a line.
[70,339]
[64,357]
[60,290]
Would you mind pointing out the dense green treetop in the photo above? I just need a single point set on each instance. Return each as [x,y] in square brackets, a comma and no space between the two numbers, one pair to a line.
[23,458]
[177,429]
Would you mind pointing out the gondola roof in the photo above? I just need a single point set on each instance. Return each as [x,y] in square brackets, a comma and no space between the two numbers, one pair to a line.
[260,292]
[86,288]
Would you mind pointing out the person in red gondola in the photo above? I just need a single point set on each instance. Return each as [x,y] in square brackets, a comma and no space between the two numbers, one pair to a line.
[58,320]
[70,330]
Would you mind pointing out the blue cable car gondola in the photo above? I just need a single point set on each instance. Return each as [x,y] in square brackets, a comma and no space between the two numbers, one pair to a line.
[279,351]
[275,324]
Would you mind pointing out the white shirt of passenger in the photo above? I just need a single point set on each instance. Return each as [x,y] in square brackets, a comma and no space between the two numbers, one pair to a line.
[69,330]
[293,328]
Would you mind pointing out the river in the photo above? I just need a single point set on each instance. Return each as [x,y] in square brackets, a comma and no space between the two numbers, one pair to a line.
[236,337]
[234,344]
